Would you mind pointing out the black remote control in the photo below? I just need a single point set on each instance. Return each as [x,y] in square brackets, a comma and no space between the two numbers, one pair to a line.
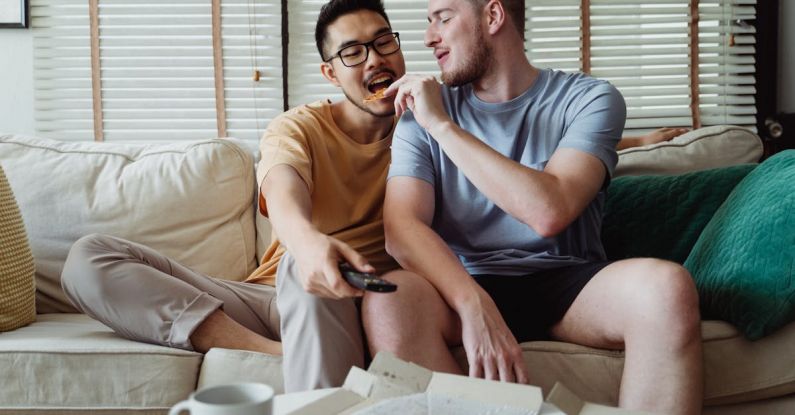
[365,280]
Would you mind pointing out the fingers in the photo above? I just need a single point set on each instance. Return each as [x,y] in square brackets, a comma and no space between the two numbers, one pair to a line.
[337,285]
[354,258]
[475,367]
[506,368]
[522,374]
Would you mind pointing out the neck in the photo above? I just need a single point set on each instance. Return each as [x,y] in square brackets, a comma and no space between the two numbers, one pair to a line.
[509,75]
[360,126]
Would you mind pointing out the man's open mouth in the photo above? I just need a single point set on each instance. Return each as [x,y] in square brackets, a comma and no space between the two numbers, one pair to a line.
[379,82]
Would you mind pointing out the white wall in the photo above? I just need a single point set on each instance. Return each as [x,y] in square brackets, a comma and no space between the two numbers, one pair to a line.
[16,81]
[786,60]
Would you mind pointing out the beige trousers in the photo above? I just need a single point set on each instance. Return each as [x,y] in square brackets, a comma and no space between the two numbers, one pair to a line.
[145,296]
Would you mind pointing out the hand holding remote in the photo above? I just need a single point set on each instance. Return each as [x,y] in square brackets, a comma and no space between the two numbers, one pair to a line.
[364,280]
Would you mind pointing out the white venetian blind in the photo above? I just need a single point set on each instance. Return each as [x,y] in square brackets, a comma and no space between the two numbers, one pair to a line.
[644,49]
[62,69]
[157,68]
[306,84]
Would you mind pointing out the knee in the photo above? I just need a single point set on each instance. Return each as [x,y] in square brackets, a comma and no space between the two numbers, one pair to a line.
[81,271]
[411,290]
[671,299]
[396,316]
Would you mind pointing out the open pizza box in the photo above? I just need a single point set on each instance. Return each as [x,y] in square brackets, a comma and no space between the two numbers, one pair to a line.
[393,386]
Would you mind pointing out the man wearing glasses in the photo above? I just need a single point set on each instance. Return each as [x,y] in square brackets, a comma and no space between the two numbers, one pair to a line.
[323,179]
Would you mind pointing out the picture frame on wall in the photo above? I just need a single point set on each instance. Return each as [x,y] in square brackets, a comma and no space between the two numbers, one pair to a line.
[14,14]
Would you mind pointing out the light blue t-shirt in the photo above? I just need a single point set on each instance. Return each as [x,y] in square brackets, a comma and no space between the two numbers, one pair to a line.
[558,110]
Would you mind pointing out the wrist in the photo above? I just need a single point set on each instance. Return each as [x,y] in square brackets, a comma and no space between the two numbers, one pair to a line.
[468,299]
[441,128]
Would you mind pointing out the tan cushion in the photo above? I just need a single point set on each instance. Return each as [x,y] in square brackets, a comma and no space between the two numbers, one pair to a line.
[222,366]
[192,201]
[17,288]
[701,149]
[71,361]
[736,369]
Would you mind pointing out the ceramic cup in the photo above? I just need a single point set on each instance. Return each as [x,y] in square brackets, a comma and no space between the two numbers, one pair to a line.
[232,399]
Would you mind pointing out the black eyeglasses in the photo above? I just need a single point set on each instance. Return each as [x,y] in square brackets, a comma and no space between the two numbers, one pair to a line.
[353,55]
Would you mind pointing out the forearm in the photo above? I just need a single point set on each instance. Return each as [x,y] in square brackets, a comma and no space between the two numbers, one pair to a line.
[419,249]
[629,142]
[289,207]
[531,196]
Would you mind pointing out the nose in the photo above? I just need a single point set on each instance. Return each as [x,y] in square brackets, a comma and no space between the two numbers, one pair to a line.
[374,59]
[431,36]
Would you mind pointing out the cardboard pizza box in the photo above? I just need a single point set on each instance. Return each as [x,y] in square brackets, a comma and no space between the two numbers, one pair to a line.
[390,378]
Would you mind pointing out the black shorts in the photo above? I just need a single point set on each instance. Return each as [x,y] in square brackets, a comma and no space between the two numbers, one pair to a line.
[532,304]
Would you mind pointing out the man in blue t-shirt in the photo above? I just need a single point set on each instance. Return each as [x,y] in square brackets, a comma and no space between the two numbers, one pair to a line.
[494,210]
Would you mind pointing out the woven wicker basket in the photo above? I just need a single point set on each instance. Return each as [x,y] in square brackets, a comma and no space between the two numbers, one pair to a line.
[17,283]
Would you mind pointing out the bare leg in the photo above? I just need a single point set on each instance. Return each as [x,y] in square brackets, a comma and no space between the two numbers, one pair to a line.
[650,308]
[219,330]
[414,323]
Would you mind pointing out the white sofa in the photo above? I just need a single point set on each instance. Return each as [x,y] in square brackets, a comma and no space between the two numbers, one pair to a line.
[195,202]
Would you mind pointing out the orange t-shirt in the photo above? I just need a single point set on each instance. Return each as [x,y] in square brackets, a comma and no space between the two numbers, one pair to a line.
[346,181]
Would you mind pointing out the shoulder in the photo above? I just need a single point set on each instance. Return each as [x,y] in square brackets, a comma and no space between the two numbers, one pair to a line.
[302,116]
[579,84]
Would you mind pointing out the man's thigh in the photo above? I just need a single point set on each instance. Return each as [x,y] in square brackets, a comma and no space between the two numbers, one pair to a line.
[622,294]
[417,299]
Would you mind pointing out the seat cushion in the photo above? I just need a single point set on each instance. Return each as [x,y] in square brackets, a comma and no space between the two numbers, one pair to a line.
[736,370]
[744,261]
[71,361]
[192,201]
[17,288]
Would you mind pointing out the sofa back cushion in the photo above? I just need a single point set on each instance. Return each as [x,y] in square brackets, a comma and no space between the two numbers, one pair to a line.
[744,261]
[663,216]
[700,149]
[17,289]
[191,201]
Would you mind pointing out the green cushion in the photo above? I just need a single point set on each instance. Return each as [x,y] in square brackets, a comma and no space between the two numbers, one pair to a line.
[744,260]
[662,216]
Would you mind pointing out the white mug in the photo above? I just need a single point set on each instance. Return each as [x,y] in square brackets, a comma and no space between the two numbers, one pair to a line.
[231,399]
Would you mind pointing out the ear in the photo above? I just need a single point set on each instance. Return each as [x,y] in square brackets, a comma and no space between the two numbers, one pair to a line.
[328,72]
[495,16]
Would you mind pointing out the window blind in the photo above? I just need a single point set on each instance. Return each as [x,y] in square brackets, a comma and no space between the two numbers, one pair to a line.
[644,49]
[306,84]
[157,68]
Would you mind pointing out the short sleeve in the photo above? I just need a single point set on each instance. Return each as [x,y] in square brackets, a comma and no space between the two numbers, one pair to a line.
[411,151]
[597,122]
[284,142]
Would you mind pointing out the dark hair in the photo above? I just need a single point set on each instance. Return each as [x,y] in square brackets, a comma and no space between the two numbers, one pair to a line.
[513,8]
[332,10]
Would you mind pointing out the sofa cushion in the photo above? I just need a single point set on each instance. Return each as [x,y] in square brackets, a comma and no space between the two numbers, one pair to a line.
[71,361]
[17,288]
[663,216]
[192,201]
[744,261]
[221,366]
[736,369]
[700,149]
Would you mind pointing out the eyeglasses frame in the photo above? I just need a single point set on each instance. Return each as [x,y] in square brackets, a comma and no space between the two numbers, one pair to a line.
[367,46]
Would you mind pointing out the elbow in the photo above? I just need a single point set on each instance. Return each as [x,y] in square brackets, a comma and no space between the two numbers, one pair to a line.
[549,230]
[392,243]
[548,224]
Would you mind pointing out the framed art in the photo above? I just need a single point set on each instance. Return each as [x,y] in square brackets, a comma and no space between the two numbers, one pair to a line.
[14,14]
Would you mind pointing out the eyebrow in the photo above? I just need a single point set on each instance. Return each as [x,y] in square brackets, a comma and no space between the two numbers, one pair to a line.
[438,12]
[379,32]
